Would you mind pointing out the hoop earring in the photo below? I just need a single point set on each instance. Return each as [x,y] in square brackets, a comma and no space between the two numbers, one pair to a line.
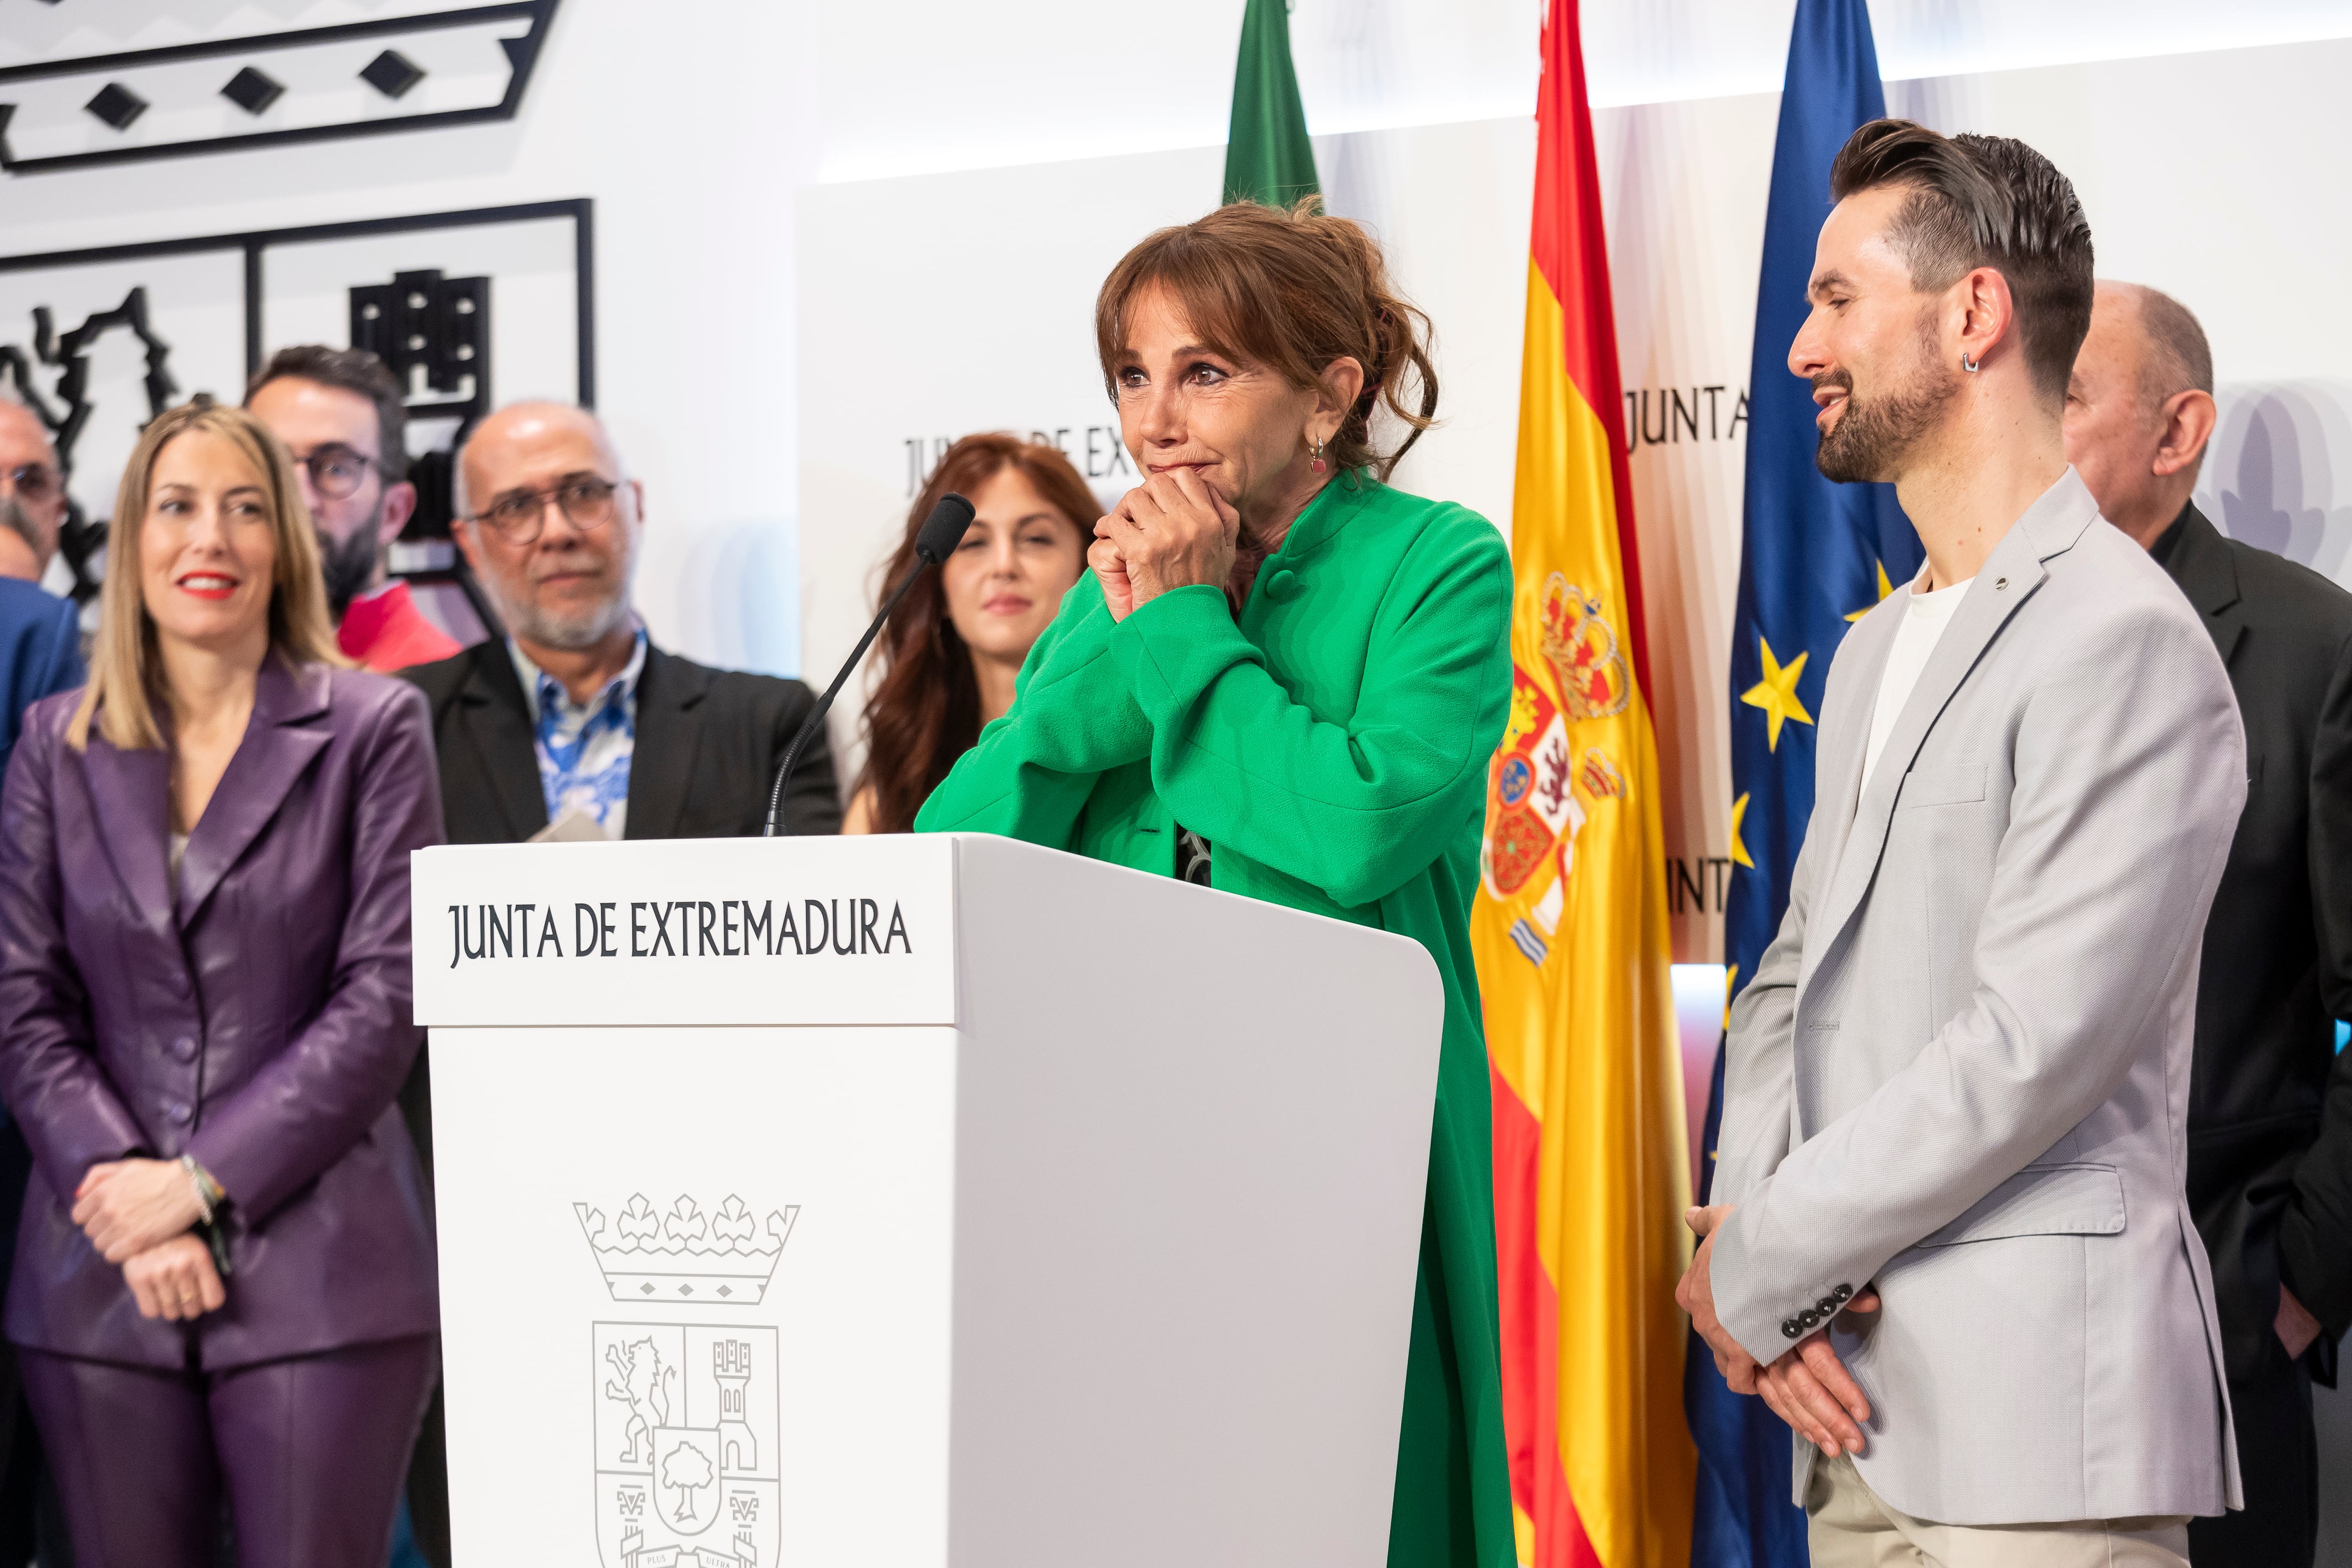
[1318,465]
[1970,366]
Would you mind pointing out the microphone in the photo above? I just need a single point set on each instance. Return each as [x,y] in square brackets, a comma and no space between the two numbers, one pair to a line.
[942,533]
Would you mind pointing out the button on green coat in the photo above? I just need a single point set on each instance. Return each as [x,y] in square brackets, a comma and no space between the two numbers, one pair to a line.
[1332,748]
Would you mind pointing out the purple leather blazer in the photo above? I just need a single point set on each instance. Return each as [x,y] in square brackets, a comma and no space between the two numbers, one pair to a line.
[259,1018]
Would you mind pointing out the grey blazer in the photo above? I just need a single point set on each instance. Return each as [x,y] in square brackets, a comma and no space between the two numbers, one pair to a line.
[1961,1070]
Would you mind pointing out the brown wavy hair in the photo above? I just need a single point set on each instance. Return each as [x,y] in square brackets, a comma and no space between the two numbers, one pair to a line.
[1291,289]
[124,688]
[925,712]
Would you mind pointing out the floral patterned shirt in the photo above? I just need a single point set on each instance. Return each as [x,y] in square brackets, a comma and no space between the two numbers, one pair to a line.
[584,749]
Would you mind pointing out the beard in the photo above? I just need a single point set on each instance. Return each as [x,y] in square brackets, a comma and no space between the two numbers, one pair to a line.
[1871,439]
[18,521]
[349,564]
[570,629]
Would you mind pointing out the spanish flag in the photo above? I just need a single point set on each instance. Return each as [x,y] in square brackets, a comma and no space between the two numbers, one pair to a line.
[1570,933]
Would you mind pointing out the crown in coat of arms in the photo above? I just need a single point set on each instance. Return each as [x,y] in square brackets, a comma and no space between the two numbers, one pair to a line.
[1581,648]
[683,1255]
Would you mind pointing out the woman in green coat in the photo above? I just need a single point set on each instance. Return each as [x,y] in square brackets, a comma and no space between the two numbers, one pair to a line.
[1284,679]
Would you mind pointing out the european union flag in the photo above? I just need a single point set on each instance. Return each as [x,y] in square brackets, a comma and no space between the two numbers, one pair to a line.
[1815,556]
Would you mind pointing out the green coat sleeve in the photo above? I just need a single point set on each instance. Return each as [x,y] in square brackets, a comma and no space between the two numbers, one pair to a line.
[1355,810]
[1072,721]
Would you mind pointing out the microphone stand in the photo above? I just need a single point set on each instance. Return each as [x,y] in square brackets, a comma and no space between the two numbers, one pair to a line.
[940,535]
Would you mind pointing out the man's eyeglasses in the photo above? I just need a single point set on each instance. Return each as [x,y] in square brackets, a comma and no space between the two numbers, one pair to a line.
[520,516]
[337,472]
[34,484]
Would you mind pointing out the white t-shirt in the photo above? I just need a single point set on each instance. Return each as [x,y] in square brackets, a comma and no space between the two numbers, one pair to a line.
[1924,620]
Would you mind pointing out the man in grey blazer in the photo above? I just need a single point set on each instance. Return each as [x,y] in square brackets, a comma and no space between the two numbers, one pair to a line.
[1951,1246]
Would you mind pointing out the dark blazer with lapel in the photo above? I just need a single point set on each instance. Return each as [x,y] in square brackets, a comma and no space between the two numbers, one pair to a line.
[40,653]
[709,742]
[256,1017]
[2270,1105]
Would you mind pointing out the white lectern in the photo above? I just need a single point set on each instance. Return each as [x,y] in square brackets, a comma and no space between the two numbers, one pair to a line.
[915,1201]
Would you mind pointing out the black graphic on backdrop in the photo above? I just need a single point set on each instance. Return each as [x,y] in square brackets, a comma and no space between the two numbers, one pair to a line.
[435,334]
[65,407]
[434,330]
[117,88]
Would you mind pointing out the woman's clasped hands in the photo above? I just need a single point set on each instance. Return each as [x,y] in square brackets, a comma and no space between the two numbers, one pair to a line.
[1173,530]
[140,1214]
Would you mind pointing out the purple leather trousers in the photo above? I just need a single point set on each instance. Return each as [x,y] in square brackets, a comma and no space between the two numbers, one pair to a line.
[311,1452]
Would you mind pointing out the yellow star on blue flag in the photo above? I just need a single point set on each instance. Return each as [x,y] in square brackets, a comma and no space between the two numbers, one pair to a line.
[1776,694]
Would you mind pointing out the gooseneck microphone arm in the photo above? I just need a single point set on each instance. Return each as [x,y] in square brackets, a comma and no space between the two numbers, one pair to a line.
[942,533]
[815,721]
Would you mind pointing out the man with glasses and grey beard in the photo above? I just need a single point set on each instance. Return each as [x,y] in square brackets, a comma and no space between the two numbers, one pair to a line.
[575,725]
[341,414]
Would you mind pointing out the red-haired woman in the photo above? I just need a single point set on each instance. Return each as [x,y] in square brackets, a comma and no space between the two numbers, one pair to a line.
[1284,678]
[956,643]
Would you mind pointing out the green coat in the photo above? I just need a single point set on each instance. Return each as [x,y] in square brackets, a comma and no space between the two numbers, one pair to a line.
[1332,748]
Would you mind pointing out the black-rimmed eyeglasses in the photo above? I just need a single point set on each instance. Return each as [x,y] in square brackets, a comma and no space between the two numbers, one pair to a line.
[520,516]
[32,483]
[337,472]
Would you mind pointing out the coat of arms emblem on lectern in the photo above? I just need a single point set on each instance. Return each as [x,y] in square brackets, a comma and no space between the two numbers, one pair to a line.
[687,1467]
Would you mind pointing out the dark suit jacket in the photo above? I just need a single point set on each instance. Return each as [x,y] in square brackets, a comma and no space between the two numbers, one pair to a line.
[2270,1103]
[40,653]
[708,743]
[256,1016]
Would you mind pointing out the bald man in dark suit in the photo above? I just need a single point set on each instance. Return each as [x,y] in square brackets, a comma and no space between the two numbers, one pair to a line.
[2270,1107]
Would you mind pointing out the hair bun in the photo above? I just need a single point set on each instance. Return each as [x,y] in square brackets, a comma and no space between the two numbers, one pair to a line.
[1293,290]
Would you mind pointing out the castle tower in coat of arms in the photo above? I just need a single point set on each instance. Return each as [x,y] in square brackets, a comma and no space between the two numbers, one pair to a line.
[730,1368]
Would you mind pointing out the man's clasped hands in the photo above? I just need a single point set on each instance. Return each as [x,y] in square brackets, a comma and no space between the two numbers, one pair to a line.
[1808,1386]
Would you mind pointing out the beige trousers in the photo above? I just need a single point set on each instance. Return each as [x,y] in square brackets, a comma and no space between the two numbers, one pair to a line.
[1850,1528]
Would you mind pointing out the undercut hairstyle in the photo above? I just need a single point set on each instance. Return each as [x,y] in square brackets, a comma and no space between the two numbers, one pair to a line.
[2177,357]
[1292,289]
[1984,200]
[355,371]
